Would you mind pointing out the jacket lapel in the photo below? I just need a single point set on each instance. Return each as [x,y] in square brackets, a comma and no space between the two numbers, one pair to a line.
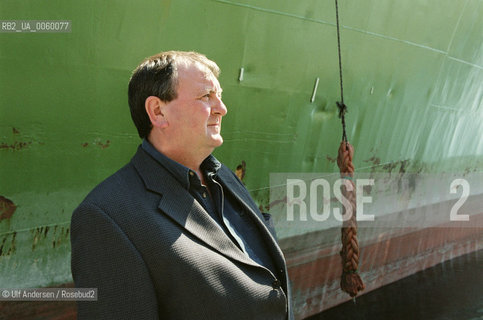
[234,186]
[183,209]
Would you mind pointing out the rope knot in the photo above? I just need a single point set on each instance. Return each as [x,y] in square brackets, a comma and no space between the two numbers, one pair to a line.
[342,109]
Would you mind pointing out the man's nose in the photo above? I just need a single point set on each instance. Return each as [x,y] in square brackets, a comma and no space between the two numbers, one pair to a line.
[219,107]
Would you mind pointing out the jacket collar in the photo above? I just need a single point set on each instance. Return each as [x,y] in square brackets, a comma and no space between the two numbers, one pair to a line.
[183,209]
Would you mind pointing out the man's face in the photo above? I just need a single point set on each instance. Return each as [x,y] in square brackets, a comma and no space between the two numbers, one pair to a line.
[194,117]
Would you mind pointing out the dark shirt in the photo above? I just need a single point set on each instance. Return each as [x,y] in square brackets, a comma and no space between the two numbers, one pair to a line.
[220,204]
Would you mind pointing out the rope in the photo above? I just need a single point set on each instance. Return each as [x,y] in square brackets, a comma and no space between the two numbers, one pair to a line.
[342,107]
[350,281]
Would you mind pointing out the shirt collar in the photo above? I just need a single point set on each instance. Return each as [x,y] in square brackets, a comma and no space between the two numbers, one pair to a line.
[209,166]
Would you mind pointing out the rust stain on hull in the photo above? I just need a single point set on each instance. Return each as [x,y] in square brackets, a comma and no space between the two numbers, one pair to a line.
[390,166]
[374,160]
[57,236]
[276,202]
[330,159]
[7,208]
[241,170]
[7,246]
[103,145]
[17,145]
[97,142]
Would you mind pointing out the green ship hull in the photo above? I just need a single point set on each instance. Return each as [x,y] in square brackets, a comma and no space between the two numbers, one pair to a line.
[413,75]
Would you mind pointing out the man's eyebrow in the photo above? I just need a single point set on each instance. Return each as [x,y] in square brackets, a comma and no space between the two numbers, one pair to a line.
[212,89]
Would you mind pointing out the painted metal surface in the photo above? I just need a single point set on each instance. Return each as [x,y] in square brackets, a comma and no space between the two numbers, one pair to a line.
[413,74]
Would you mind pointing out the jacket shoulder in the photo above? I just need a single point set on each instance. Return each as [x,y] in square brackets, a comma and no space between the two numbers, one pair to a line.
[114,186]
[120,185]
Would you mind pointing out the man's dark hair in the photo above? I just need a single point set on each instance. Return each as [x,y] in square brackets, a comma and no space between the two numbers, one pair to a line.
[158,76]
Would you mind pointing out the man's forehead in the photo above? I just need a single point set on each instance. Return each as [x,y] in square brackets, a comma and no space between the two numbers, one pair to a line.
[196,67]
[201,74]
[208,75]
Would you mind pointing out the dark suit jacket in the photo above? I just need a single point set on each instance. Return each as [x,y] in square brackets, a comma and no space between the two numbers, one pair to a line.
[153,252]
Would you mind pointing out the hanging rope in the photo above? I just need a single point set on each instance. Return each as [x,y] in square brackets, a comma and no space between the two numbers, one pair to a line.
[350,281]
[342,107]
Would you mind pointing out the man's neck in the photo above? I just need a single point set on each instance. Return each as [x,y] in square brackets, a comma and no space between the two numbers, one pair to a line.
[191,162]
[190,158]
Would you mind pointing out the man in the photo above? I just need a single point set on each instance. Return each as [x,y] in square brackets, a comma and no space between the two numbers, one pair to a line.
[174,234]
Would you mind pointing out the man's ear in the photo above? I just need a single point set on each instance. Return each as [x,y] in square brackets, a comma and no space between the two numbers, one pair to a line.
[155,108]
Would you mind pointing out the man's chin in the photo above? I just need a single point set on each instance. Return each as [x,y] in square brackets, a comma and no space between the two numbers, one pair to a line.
[217,141]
